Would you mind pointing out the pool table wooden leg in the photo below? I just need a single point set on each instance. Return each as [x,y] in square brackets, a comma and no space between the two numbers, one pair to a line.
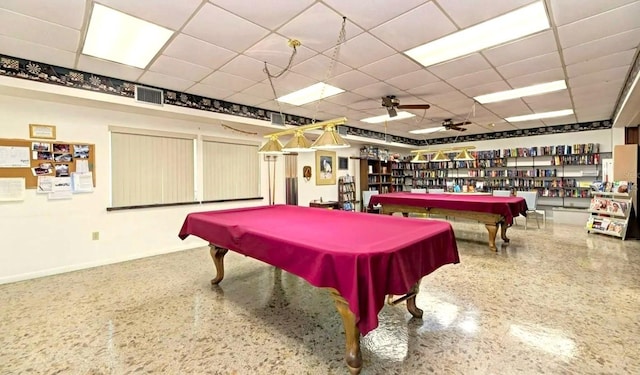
[352,355]
[493,230]
[503,231]
[217,254]
[411,302]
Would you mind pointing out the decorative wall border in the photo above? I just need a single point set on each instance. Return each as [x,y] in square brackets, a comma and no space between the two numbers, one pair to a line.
[55,75]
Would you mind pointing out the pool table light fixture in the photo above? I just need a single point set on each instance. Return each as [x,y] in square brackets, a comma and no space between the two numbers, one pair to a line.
[463,155]
[329,139]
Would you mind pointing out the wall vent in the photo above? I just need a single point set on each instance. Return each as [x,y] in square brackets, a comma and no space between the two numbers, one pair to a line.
[342,130]
[276,119]
[149,95]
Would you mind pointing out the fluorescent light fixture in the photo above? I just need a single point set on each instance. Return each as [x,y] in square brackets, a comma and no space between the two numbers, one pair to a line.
[310,94]
[511,26]
[377,119]
[428,130]
[122,38]
[541,88]
[538,116]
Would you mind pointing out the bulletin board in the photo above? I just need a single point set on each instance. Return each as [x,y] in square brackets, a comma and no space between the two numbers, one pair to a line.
[45,158]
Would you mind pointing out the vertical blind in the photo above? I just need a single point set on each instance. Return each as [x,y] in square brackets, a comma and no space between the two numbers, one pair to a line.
[149,167]
[231,169]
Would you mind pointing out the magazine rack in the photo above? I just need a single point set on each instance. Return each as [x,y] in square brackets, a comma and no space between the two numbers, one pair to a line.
[610,213]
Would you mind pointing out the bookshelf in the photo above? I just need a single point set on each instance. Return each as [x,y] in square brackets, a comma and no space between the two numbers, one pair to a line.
[376,175]
[346,193]
[561,174]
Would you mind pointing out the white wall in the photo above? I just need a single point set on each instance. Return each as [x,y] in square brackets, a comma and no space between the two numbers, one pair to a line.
[40,237]
[308,190]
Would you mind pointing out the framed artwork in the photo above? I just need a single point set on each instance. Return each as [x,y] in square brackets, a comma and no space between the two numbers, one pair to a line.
[325,167]
[343,163]
[42,131]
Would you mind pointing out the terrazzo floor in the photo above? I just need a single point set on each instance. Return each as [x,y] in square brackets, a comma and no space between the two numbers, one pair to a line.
[555,300]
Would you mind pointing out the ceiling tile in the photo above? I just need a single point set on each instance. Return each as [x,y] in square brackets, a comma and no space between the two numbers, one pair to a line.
[600,26]
[467,13]
[434,88]
[108,68]
[459,67]
[487,88]
[550,75]
[418,78]
[33,30]
[225,34]
[274,49]
[208,55]
[361,50]
[624,58]
[228,81]
[262,90]
[378,89]
[535,45]
[614,74]
[560,120]
[180,69]
[368,14]
[352,80]
[567,11]
[532,65]
[248,68]
[345,98]
[170,14]
[245,99]
[36,52]
[207,91]
[515,107]
[318,28]
[601,47]
[549,102]
[391,66]
[290,82]
[408,30]
[68,13]
[318,68]
[529,124]
[165,81]
[475,79]
[269,14]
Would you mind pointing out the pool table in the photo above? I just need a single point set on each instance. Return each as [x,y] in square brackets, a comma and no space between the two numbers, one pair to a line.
[360,258]
[493,211]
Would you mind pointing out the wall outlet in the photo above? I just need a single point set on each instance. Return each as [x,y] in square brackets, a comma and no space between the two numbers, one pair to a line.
[95,236]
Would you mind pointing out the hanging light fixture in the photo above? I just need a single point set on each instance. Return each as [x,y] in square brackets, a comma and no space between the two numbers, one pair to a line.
[419,158]
[299,143]
[330,139]
[272,147]
[440,156]
[464,155]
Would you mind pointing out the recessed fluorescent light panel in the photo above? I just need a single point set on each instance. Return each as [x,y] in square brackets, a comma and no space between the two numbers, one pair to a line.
[377,119]
[310,94]
[118,37]
[511,26]
[542,88]
[538,116]
[428,130]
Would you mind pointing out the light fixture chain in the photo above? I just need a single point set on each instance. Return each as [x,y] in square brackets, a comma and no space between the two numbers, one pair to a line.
[293,44]
[342,36]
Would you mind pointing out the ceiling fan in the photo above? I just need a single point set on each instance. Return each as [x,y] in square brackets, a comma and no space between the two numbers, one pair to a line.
[391,103]
[450,125]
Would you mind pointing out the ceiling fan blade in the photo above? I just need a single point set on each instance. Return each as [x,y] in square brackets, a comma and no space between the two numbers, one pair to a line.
[414,106]
[463,123]
[392,112]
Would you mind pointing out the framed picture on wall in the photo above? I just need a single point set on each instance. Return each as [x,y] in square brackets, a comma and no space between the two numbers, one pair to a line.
[325,167]
[343,163]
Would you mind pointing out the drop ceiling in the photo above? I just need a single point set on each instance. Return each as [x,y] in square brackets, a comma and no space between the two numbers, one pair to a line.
[219,47]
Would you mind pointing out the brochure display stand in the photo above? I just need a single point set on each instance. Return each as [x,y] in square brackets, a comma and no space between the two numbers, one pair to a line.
[610,213]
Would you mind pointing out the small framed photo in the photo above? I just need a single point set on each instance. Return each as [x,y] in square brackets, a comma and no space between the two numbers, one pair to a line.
[42,131]
[343,163]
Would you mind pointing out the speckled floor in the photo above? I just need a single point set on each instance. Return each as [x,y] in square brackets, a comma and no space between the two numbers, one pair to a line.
[554,301]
